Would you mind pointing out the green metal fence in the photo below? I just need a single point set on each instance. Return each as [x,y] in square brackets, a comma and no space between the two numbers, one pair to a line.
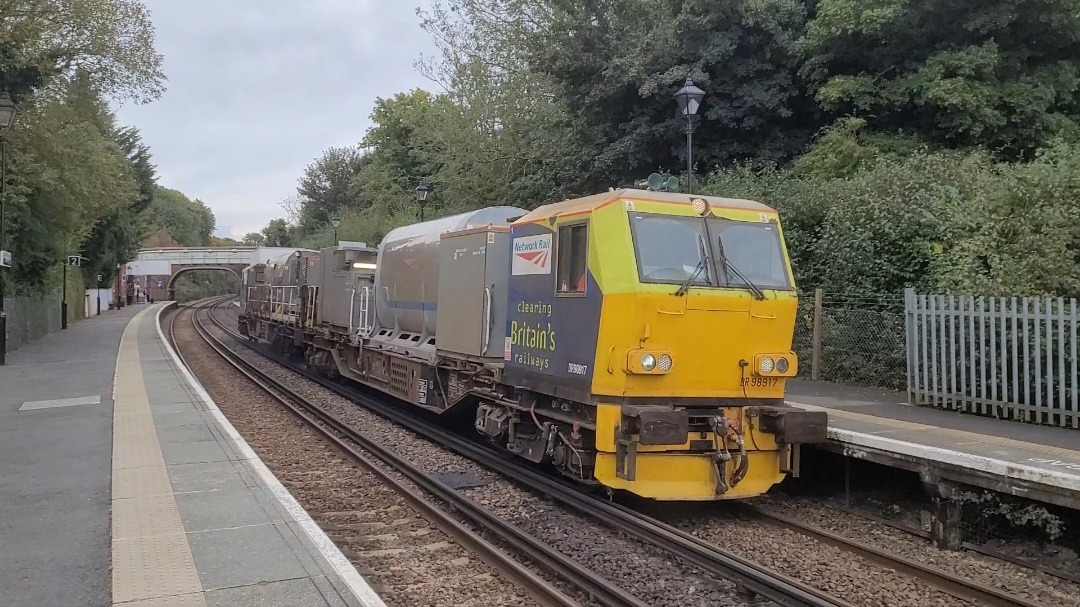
[1008,357]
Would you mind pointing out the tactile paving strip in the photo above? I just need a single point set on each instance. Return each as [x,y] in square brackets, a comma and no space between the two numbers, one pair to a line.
[184,600]
[152,562]
[133,482]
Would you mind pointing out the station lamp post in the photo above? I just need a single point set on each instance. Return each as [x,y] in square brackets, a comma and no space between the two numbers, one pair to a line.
[335,221]
[8,109]
[422,192]
[689,98]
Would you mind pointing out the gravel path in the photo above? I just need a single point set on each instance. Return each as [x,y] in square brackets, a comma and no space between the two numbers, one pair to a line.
[405,558]
[1016,579]
[639,568]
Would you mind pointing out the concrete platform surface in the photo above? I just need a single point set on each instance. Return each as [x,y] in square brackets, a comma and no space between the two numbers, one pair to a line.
[56,397]
[122,484]
[1040,462]
[197,518]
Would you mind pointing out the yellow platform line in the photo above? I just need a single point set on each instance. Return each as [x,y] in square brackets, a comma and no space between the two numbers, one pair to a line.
[152,563]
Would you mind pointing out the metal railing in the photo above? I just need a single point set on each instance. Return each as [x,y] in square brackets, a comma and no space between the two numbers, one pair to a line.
[284,303]
[1007,357]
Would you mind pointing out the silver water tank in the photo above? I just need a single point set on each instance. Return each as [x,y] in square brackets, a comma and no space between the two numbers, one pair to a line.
[407,277]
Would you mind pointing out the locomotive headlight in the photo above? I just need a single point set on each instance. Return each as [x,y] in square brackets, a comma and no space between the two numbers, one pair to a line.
[776,364]
[781,365]
[648,362]
[665,363]
[766,366]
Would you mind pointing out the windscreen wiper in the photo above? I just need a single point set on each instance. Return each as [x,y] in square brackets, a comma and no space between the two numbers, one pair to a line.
[758,293]
[702,264]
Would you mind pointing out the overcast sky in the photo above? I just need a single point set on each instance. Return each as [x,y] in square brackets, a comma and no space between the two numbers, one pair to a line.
[259,88]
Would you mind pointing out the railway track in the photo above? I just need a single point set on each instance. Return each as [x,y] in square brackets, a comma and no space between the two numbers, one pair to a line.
[678,542]
[346,440]
[941,580]
[752,579]
[980,549]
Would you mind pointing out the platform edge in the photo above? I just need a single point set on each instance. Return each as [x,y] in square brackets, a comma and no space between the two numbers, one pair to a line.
[345,570]
[1017,470]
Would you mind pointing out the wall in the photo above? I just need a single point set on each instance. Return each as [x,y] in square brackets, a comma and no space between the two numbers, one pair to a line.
[98,300]
[33,317]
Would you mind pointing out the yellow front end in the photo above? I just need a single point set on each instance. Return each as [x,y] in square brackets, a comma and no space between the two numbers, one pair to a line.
[708,357]
[673,472]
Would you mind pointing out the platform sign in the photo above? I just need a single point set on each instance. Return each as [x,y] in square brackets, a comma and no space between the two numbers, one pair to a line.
[5,259]
[74,260]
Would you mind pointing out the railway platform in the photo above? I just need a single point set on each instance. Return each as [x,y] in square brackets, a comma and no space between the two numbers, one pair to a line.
[124,485]
[945,447]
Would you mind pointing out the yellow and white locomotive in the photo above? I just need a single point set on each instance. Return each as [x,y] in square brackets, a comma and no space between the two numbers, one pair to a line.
[636,339]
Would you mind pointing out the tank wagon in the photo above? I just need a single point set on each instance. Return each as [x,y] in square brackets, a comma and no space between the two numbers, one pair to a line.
[634,339]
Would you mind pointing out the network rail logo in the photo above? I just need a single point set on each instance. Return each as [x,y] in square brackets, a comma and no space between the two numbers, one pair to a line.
[532,255]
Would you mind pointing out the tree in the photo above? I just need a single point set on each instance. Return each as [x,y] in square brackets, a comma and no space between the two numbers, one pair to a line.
[922,144]
[115,238]
[207,221]
[1001,73]
[254,239]
[617,64]
[396,159]
[325,187]
[112,41]
[1020,231]
[186,222]
[278,234]
[77,181]
[70,178]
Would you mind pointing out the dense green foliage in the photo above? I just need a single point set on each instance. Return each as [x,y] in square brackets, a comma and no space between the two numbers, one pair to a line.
[172,220]
[996,73]
[864,221]
[199,284]
[929,144]
[78,182]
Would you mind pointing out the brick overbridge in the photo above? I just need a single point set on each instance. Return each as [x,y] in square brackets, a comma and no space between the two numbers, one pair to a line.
[156,270]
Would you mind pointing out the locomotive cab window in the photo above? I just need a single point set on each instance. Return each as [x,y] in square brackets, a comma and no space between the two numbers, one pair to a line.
[572,259]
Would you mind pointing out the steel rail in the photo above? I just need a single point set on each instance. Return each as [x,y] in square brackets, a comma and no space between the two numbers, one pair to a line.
[748,576]
[981,549]
[945,582]
[535,550]
[940,580]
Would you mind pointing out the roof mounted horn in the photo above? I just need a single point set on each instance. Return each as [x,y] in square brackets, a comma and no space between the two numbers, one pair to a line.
[656,183]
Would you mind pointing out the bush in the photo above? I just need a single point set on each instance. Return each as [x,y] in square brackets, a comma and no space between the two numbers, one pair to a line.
[1020,234]
[198,284]
[861,220]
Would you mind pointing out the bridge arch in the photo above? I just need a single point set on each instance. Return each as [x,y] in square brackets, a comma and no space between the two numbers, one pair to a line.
[178,271]
[157,269]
